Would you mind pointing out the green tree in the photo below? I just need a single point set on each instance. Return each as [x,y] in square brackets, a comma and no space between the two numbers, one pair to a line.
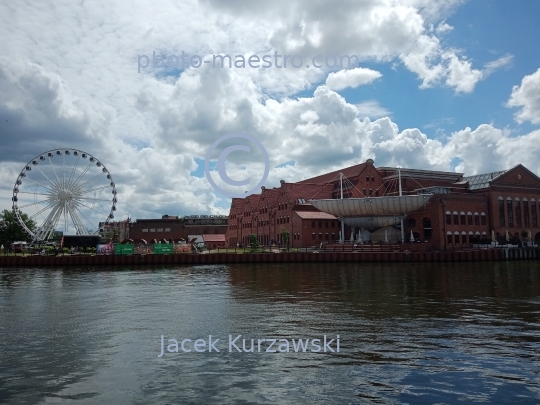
[11,230]
[253,242]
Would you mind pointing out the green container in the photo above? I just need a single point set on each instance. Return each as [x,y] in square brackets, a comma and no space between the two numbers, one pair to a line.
[163,248]
[124,249]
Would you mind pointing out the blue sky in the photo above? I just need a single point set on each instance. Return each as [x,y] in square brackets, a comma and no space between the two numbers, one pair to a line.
[431,91]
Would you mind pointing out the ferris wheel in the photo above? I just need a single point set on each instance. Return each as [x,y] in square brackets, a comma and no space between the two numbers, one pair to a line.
[65,190]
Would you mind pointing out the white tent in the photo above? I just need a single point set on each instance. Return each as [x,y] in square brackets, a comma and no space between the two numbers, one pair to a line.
[385,236]
[371,206]
[412,237]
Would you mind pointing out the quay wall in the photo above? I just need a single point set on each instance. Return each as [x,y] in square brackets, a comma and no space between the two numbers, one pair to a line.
[292,257]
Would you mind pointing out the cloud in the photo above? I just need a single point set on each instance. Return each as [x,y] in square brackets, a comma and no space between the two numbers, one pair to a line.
[351,78]
[460,75]
[80,88]
[371,109]
[527,96]
[503,62]
[443,27]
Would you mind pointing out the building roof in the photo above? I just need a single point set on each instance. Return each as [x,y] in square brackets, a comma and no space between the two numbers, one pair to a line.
[252,202]
[482,180]
[392,173]
[314,215]
[306,191]
[270,197]
[214,238]
[348,172]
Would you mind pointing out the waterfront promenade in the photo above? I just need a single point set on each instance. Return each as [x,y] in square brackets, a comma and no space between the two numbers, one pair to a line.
[283,257]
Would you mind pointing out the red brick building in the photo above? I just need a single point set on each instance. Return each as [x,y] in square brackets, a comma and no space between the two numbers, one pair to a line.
[175,228]
[214,241]
[460,210]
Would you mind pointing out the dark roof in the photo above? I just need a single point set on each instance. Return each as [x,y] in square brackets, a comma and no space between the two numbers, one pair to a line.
[480,181]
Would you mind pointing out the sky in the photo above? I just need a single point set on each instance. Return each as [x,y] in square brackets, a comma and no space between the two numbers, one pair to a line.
[444,85]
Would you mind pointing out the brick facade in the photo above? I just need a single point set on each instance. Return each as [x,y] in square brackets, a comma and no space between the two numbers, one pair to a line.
[457,214]
[172,227]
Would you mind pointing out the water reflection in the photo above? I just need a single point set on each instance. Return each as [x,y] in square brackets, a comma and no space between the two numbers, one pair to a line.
[413,333]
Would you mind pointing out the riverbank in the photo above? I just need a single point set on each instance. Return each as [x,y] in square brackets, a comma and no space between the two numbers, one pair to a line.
[284,257]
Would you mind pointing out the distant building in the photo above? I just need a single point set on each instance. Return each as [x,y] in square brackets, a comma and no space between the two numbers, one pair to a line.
[175,228]
[214,241]
[116,230]
[459,209]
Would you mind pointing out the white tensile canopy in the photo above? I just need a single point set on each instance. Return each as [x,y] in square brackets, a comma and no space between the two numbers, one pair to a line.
[371,206]
[373,222]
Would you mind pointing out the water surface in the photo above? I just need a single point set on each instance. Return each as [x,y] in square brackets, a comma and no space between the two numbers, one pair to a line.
[445,333]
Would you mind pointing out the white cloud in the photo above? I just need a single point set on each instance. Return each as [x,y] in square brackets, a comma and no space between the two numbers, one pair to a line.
[503,62]
[371,109]
[443,27]
[80,88]
[461,76]
[351,78]
[527,96]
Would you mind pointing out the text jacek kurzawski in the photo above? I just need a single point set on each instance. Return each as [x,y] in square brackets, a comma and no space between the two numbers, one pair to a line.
[237,344]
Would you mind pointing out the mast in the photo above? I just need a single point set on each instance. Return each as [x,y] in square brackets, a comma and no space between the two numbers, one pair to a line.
[341,184]
[342,223]
[400,192]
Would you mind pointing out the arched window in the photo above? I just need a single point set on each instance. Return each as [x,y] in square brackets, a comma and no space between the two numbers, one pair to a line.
[483,220]
[456,238]
[462,218]
[476,218]
[448,218]
[534,219]
[518,212]
[313,235]
[469,218]
[509,211]
[449,237]
[463,238]
[456,218]
[502,216]
[526,218]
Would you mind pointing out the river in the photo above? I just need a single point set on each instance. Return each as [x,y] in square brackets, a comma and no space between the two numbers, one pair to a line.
[413,333]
